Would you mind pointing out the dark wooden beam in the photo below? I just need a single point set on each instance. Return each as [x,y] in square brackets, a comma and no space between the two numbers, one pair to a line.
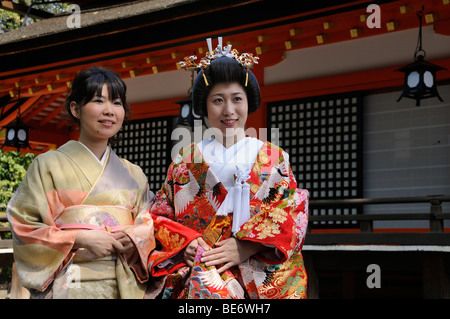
[436,283]
[439,239]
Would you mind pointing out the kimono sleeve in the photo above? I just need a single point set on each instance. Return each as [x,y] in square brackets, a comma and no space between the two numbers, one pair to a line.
[142,232]
[280,219]
[41,250]
[172,237]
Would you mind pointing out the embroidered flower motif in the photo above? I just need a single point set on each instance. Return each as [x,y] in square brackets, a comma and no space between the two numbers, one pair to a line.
[162,206]
[175,242]
[267,229]
[263,158]
[278,215]
[181,172]
[101,219]
[301,223]
[300,196]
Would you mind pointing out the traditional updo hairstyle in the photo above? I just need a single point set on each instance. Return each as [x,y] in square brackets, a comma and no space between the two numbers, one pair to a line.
[89,83]
[224,70]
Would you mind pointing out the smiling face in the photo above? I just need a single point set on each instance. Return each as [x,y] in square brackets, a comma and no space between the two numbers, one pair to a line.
[100,118]
[227,108]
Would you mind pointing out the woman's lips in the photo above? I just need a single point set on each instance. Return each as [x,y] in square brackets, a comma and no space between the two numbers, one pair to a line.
[229,123]
[106,123]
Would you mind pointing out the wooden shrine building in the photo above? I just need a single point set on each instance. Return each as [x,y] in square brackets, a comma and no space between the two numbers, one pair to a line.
[378,170]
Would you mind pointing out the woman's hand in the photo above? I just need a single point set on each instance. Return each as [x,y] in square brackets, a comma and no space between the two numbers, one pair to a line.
[191,250]
[127,243]
[129,250]
[231,252]
[98,242]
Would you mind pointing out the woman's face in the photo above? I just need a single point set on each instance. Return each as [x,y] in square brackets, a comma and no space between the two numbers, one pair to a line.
[227,107]
[100,118]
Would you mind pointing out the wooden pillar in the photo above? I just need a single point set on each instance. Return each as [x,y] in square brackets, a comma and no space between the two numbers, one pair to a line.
[436,225]
[435,277]
[348,285]
[313,280]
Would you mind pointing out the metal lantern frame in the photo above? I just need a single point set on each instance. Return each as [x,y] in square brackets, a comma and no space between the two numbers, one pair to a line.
[420,76]
[17,133]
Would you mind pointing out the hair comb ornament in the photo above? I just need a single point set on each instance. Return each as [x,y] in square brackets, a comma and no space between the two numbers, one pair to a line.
[247,60]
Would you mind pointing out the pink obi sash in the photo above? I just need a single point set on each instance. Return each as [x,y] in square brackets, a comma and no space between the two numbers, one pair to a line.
[108,218]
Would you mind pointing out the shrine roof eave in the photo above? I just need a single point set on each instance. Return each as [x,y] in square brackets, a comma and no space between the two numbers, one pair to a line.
[89,17]
[139,23]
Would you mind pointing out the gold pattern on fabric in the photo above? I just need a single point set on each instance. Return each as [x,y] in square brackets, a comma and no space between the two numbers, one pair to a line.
[219,228]
[107,216]
[278,220]
[94,270]
[94,289]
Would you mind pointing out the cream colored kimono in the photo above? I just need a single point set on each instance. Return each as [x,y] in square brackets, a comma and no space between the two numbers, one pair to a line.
[67,190]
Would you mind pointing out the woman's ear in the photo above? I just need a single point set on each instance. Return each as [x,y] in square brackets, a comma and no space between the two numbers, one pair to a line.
[74,109]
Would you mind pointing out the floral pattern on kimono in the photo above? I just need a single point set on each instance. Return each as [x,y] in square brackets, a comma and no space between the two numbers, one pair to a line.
[67,190]
[185,208]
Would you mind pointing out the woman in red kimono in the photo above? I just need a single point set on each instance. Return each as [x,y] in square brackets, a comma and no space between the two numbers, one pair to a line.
[229,220]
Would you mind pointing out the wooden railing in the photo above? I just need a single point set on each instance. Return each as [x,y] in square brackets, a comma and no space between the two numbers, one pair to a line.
[366,235]
[2,220]
[6,256]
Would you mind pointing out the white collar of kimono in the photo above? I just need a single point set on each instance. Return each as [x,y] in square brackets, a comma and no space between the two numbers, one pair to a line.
[232,166]
[104,156]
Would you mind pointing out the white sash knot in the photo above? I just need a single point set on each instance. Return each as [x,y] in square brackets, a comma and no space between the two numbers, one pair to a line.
[237,201]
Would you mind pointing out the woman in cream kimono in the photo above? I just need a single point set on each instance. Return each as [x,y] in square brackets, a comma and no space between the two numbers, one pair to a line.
[229,220]
[80,220]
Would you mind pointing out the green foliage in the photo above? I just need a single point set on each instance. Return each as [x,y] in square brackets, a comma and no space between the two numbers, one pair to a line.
[13,167]
[10,21]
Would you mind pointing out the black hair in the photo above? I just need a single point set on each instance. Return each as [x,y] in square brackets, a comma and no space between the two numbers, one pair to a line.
[224,70]
[89,83]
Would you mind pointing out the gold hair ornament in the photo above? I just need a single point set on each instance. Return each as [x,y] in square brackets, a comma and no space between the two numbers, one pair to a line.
[247,60]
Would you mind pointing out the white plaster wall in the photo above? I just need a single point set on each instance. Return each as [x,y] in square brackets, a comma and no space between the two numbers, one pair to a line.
[406,152]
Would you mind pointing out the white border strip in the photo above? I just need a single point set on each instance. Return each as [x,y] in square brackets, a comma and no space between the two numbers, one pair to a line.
[6,251]
[375,248]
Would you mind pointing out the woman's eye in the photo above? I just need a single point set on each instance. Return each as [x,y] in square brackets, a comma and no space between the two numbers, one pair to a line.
[118,102]
[97,100]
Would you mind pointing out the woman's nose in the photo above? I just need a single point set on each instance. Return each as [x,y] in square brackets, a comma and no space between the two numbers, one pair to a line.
[109,108]
[228,108]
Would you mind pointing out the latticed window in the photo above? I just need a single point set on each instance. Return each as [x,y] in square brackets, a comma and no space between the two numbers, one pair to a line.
[147,143]
[323,136]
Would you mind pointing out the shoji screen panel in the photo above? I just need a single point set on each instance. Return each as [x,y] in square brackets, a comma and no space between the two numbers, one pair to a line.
[147,143]
[323,136]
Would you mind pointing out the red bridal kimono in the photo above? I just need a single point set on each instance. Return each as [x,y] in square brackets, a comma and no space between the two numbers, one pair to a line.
[185,208]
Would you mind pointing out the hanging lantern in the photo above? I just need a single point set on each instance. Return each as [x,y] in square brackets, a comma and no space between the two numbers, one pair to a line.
[16,132]
[187,115]
[420,76]
[17,135]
